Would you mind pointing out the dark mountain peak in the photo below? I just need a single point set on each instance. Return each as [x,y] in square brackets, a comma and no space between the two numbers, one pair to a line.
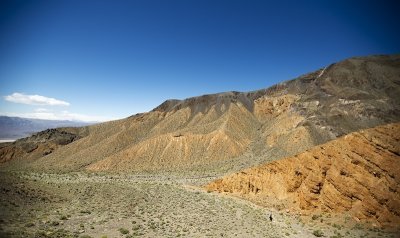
[167,105]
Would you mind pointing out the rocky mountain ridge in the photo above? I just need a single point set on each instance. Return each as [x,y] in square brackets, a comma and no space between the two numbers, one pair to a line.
[227,132]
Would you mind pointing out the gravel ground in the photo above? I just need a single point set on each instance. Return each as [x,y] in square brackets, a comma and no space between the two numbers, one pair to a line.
[88,205]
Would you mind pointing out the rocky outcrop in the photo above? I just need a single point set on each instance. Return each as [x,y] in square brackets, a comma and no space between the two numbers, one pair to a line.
[358,173]
[39,144]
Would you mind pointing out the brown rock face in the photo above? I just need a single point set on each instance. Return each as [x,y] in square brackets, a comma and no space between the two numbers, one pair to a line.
[358,173]
[183,147]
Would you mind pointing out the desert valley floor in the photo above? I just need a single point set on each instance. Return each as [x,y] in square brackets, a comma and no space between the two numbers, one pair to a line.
[112,205]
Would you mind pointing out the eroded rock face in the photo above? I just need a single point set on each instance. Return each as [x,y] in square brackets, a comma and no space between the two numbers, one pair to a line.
[358,173]
[205,137]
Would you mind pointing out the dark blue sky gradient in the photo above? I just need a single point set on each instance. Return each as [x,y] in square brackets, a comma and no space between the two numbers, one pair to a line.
[116,58]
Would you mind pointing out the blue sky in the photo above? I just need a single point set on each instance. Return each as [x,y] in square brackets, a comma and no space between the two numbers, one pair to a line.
[111,59]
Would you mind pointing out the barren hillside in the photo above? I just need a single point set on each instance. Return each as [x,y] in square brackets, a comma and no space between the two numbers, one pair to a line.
[226,132]
[357,173]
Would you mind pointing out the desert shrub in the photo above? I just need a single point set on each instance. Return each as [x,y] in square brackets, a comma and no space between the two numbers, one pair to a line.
[40,234]
[336,226]
[57,233]
[55,223]
[85,236]
[318,233]
[315,217]
[123,231]
[338,235]
[136,227]
[136,233]
[29,224]
[358,226]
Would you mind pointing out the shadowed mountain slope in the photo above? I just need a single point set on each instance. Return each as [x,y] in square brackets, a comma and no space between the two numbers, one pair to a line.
[357,173]
[40,144]
[230,131]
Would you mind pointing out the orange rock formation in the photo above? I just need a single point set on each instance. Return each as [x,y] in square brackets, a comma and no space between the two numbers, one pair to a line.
[358,173]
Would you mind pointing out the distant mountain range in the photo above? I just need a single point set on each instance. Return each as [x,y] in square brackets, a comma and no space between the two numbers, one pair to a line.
[12,128]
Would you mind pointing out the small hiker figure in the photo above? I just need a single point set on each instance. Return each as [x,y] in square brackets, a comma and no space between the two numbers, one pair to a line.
[270,217]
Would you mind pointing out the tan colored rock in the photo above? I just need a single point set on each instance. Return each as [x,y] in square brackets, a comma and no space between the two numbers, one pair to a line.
[359,173]
[267,106]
